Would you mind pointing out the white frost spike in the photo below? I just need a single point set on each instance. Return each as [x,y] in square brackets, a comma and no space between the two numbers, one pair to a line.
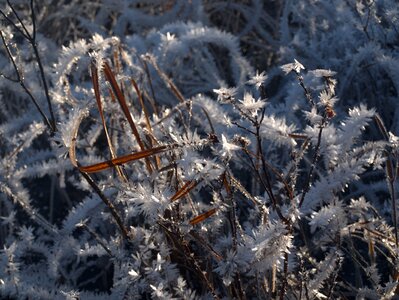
[323,73]
[393,139]
[133,273]
[168,37]
[225,94]
[296,66]
[228,148]
[258,79]
[250,105]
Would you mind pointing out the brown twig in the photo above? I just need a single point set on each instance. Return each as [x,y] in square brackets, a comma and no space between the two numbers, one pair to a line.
[108,203]
[313,165]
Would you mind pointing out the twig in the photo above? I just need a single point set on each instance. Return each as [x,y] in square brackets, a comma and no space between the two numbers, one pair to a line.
[285,281]
[265,186]
[305,89]
[314,162]
[269,188]
[147,72]
[98,239]
[234,224]
[31,38]
[180,243]
[391,179]
[243,128]
[12,23]
[108,203]
[19,79]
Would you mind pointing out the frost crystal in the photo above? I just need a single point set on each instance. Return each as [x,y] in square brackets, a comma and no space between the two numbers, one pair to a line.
[228,148]
[225,95]
[323,73]
[182,185]
[296,67]
[251,106]
[258,79]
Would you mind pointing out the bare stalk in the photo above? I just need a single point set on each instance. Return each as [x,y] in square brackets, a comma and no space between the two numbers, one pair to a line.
[20,80]
[269,189]
[285,281]
[31,38]
[313,165]
[391,180]
[108,203]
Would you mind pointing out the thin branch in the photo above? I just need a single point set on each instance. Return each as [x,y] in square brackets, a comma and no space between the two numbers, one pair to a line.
[108,203]
[13,24]
[285,281]
[31,38]
[27,35]
[46,90]
[269,188]
[147,72]
[305,89]
[243,128]
[33,17]
[11,57]
[9,78]
[21,82]
[98,239]
[391,180]
[313,165]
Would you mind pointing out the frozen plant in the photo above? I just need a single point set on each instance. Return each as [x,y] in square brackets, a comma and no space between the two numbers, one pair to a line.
[176,171]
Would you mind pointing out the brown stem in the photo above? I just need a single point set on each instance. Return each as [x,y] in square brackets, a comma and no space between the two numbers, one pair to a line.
[108,203]
[269,188]
[313,165]
[285,281]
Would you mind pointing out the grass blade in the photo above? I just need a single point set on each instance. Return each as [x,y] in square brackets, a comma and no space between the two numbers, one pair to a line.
[108,203]
[203,216]
[166,79]
[97,94]
[75,130]
[109,75]
[184,190]
[140,96]
[123,159]
[147,117]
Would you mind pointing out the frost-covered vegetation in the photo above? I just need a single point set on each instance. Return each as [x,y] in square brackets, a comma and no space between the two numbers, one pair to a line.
[199,149]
